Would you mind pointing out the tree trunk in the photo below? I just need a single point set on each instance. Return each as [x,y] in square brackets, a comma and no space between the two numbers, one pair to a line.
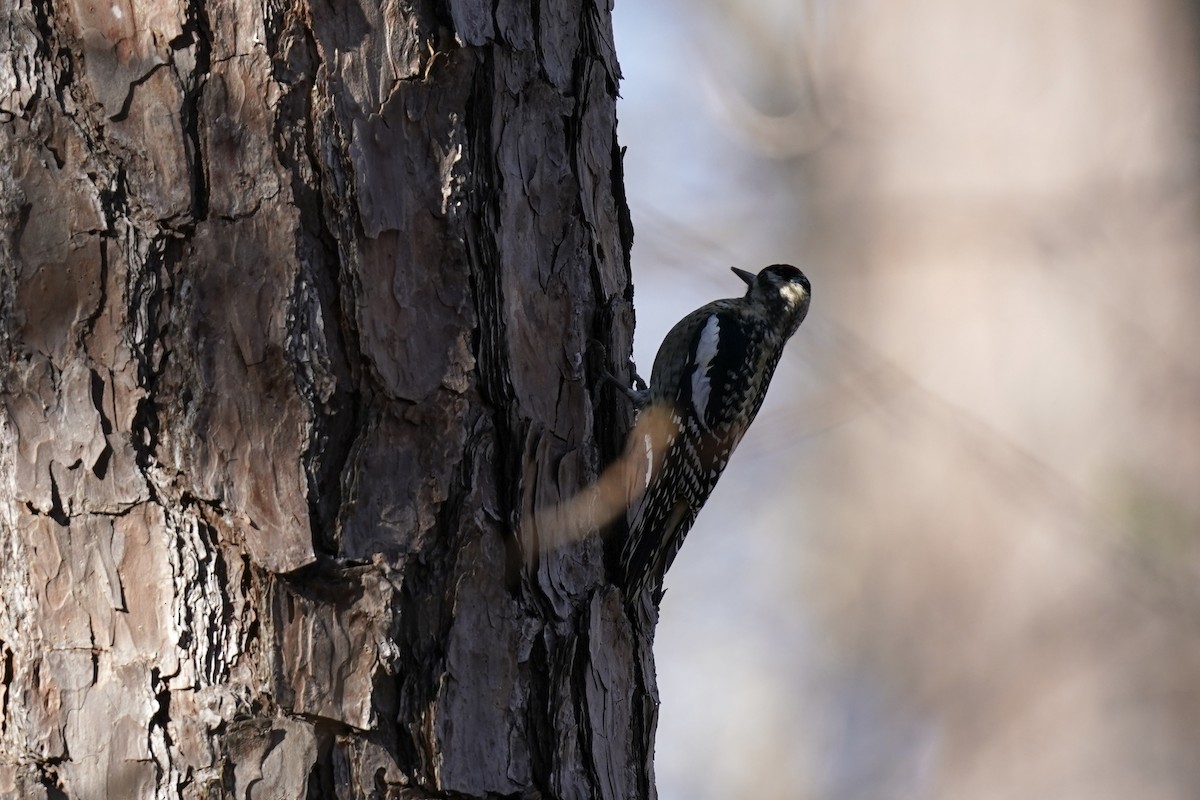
[303,310]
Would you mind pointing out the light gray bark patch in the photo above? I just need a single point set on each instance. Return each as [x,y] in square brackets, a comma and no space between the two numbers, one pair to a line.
[119,701]
[19,63]
[89,673]
[106,481]
[87,470]
[145,627]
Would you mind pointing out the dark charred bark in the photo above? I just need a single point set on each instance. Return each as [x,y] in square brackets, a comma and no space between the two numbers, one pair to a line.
[303,311]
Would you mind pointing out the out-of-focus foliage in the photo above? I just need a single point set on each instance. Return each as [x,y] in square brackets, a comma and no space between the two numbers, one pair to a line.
[959,554]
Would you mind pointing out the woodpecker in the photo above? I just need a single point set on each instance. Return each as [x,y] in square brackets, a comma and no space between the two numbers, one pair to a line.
[709,379]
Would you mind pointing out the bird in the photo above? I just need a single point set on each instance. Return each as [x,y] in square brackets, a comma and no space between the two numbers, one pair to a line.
[708,382]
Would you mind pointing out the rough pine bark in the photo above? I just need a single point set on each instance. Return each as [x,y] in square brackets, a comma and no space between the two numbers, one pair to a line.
[303,309]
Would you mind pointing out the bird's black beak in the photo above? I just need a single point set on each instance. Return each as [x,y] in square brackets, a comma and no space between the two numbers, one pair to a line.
[748,277]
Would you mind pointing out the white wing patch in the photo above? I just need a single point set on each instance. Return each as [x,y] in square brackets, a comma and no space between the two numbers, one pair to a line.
[706,351]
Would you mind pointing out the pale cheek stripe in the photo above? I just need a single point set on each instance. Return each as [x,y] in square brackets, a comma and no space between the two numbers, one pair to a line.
[793,294]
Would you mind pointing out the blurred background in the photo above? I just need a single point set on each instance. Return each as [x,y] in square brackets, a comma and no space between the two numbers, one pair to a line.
[958,555]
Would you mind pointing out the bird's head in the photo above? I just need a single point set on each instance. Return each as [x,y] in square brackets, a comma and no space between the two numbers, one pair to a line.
[782,288]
